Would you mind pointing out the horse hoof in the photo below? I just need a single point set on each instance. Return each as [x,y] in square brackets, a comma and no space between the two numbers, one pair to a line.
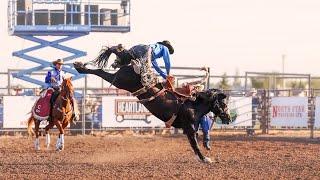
[207,160]
[79,66]
[60,148]
[37,146]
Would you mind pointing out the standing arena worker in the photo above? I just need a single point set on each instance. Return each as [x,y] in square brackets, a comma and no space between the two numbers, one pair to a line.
[206,123]
[54,80]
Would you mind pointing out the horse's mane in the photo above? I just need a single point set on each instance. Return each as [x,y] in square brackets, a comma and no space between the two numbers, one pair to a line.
[67,87]
[207,93]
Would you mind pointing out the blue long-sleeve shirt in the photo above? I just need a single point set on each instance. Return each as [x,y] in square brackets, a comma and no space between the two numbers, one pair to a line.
[158,51]
[57,75]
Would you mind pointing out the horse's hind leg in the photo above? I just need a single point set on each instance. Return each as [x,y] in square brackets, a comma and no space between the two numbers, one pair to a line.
[37,141]
[194,144]
[98,72]
[47,128]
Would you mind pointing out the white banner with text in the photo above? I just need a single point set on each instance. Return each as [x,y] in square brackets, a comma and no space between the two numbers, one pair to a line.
[317,113]
[289,111]
[16,111]
[126,111]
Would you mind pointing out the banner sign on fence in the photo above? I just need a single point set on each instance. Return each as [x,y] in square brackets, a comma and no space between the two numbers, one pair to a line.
[289,111]
[241,111]
[317,113]
[16,111]
[124,111]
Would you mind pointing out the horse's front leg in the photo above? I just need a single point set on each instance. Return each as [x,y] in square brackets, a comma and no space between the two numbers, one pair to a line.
[47,128]
[60,140]
[37,141]
[191,134]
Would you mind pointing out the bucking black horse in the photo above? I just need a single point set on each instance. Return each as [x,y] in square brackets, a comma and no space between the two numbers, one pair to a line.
[162,103]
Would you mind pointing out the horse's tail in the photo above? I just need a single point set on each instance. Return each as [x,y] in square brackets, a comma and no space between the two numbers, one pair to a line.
[30,122]
[102,60]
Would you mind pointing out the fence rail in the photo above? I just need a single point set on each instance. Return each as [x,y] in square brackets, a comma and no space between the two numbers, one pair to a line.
[90,101]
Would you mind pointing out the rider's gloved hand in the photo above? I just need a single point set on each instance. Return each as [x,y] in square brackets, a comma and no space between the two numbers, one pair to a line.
[53,80]
[171,79]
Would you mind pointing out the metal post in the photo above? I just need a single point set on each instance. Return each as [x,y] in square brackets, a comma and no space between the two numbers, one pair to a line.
[309,84]
[85,84]
[245,82]
[92,111]
[9,82]
[208,80]
[267,111]
[312,114]
[102,83]
[283,59]
[264,113]
[89,14]
[83,112]
[65,14]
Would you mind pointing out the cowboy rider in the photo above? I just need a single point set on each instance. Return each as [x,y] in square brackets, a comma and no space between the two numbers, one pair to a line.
[162,50]
[54,79]
[159,50]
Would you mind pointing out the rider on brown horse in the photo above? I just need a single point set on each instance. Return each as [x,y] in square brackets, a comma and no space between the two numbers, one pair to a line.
[53,80]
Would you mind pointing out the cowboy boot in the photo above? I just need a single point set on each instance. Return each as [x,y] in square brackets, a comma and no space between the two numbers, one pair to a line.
[206,144]
[206,140]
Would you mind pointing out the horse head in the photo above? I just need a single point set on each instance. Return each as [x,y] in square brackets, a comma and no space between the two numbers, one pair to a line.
[118,63]
[67,89]
[217,104]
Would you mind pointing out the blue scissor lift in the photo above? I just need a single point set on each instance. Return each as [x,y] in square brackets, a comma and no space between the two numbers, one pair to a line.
[67,19]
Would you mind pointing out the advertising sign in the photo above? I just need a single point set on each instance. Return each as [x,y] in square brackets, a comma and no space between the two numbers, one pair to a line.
[289,111]
[124,111]
[241,111]
[16,111]
[317,113]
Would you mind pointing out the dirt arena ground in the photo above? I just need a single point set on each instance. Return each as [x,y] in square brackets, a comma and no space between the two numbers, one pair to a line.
[161,157]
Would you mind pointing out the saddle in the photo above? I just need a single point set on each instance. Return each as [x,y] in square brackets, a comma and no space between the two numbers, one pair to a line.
[185,92]
[41,108]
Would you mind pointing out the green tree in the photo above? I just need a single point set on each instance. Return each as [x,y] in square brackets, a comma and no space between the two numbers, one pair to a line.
[224,84]
[273,81]
[237,82]
[315,83]
[259,83]
[297,84]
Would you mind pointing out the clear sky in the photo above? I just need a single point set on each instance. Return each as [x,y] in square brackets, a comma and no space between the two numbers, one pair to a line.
[249,35]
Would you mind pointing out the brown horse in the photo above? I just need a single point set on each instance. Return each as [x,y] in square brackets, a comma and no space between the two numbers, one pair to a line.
[61,116]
